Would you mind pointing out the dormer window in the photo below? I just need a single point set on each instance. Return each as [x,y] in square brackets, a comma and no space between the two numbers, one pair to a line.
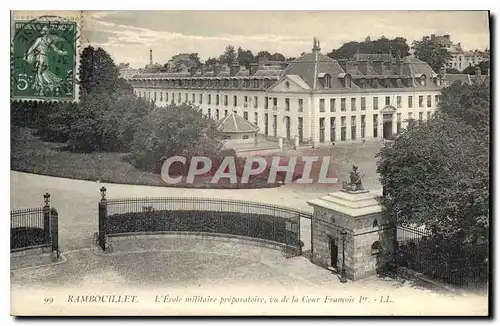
[348,81]
[422,80]
[328,81]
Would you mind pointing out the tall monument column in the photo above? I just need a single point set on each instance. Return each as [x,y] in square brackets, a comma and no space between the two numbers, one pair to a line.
[350,235]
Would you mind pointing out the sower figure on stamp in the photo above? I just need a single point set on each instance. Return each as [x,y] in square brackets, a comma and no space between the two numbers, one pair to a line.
[38,54]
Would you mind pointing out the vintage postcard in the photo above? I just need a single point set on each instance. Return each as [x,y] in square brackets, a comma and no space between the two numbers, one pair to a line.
[221,163]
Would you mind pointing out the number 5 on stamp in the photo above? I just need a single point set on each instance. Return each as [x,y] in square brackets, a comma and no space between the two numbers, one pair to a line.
[44,55]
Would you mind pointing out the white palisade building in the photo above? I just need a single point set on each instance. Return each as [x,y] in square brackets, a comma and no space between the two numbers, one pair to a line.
[315,98]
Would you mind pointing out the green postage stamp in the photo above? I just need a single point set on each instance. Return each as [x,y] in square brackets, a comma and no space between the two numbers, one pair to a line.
[44,59]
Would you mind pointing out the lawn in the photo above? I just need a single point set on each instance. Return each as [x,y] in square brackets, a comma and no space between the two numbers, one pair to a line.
[32,155]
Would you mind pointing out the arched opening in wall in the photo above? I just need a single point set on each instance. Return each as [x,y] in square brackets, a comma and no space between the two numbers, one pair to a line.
[375,223]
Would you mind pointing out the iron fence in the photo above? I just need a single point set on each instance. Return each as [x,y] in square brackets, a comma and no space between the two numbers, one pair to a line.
[192,214]
[444,259]
[32,228]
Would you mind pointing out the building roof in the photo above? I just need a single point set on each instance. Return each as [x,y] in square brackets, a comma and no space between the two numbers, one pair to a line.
[233,123]
[451,78]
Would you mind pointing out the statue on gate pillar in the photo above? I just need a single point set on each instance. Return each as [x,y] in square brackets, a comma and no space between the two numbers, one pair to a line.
[355,183]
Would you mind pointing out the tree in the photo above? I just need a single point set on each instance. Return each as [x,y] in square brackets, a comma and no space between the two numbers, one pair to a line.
[432,52]
[245,57]
[210,62]
[277,57]
[98,72]
[396,46]
[471,70]
[175,130]
[263,56]
[229,55]
[436,173]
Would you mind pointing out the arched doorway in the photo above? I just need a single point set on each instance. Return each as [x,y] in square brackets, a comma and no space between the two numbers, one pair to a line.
[286,121]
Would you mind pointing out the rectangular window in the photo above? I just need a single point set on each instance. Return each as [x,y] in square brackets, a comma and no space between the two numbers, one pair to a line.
[342,104]
[209,99]
[321,130]
[375,126]
[266,124]
[322,105]
[410,116]
[375,103]
[287,104]
[353,127]
[193,98]
[209,113]
[161,96]
[436,99]
[363,126]
[166,96]
[421,101]
[245,99]
[428,115]
[353,104]
[235,100]
[420,116]
[410,101]
[245,115]
[267,104]
[186,98]
[363,103]
[398,101]
[226,100]
[275,125]
[201,98]
[256,118]
[225,113]
[300,129]
[179,98]
[429,101]
[332,129]
[301,105]
[154,96]
[217,100]
[342,128]
[275,101]
[255,101]
[332,105]
[398,123]
[387,100]
[217,114]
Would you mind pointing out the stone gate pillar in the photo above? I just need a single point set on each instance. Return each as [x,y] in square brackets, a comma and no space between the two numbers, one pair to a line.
[368,237]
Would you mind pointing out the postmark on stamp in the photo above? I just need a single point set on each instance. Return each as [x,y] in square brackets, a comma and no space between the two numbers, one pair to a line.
[44,59]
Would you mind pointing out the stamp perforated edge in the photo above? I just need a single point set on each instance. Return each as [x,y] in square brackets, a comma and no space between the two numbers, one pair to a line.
[73,16]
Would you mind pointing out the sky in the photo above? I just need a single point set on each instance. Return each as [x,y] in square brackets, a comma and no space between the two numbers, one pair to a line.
[128,35]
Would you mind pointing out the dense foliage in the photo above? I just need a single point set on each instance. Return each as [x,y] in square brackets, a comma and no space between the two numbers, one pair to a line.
[436,173]
[432,52]
[110,117]
[383,45]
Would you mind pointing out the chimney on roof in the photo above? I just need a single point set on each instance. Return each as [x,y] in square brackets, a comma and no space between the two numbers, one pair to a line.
[151,56]
[253,68]
[447,37]
[378,66]
[316,47]
[234,68]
